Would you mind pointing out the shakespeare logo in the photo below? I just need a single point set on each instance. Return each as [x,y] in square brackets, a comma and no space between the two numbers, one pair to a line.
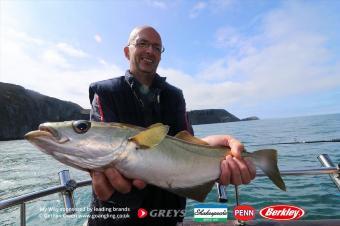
[210,213]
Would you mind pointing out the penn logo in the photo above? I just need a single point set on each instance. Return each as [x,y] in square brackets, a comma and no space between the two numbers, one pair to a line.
[244,213]
[142,213]
[282,212]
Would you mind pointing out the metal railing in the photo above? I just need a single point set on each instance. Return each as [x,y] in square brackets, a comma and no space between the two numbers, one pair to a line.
[67,186]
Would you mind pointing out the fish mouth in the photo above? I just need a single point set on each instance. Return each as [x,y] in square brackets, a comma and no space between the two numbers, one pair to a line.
[46,132]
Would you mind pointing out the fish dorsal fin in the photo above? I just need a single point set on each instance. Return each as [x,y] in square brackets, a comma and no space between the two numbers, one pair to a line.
[151,136]
[185,135]
[197,193]
[155,125]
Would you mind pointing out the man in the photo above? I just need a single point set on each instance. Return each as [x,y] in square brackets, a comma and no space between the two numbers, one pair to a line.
[142,98]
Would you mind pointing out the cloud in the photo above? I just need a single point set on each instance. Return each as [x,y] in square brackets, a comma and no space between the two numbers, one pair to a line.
[197,9]
[213,6]
[157,4]
[98,38]
[102,61]
[60,54]
[293,59]
[23,37]
[229,37]
[217,5]
[70,50]
[53,57]
[285,58]
[47,69]
[199,94]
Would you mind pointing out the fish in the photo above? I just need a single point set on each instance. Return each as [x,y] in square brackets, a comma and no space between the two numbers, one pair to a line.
[183,164]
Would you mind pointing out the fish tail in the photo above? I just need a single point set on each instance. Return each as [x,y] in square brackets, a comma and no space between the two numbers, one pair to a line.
[266,159]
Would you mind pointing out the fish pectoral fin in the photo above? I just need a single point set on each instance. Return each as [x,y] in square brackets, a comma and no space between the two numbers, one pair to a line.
[186,136]
[151,136]
[197,193]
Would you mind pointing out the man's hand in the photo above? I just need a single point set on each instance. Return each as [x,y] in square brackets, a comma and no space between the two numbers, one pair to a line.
[234,169]
[109,181]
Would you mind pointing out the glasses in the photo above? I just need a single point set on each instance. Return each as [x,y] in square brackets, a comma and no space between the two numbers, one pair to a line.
[144,45]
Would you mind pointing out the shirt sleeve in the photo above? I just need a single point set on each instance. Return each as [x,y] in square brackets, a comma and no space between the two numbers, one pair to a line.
[96,113]
[101,111]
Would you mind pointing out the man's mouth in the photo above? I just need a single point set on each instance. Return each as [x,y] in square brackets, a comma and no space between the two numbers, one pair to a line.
[147,60]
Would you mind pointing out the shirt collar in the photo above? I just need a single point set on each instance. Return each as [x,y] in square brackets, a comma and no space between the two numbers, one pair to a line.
[158,81]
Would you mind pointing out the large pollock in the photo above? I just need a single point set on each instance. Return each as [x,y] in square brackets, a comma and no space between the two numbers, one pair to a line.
[183,164]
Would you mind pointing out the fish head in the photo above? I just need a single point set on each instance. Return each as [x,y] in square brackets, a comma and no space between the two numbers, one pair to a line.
[82,144]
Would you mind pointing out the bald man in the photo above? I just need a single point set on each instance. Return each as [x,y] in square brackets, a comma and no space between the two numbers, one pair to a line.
[141,97]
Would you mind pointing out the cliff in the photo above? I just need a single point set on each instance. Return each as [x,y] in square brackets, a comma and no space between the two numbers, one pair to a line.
[209,116]
[22,110]
[250,118]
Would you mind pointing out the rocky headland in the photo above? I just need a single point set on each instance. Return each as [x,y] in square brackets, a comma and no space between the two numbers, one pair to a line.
[209,116]
[22,110]
[250,118]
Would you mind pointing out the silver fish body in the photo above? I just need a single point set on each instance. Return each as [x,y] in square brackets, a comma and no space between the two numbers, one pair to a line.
[183,164]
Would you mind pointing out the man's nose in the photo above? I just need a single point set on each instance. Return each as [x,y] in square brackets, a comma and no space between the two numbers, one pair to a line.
[150,49]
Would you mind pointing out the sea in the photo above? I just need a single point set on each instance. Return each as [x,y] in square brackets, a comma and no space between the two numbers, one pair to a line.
[24,169]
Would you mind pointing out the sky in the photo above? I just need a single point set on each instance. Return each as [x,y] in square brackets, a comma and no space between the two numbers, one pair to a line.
[269,59]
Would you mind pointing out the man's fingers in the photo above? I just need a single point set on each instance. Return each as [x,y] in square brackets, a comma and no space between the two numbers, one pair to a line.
[235,172]
[234,169]
[244,171]
[104,184]
[228,141]
[236,147]
[117,181]
[139,184]
[101,186]
[225,171]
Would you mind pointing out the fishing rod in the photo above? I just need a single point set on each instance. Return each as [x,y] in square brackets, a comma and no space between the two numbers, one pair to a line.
[300,142]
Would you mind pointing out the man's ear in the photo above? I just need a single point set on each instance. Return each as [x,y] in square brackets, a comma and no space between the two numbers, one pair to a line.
[127,52]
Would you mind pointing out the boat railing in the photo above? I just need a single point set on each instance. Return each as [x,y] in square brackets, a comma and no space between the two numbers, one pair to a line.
[66,188]
[68,185]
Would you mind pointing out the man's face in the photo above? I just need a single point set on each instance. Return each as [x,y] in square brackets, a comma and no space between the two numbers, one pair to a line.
[144,52]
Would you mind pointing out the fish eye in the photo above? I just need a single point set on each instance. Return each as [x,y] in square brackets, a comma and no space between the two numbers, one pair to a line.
[81,126]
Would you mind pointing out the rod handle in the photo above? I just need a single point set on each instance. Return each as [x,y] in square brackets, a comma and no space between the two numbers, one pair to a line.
[221,193]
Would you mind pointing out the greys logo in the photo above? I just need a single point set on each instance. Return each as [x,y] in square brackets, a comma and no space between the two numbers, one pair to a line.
[161,213]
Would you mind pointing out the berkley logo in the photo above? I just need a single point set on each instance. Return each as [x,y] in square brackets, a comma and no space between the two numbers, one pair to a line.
[282,212]
[244,213]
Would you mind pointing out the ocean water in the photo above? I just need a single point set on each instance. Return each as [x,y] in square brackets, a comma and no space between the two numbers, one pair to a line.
[24,169]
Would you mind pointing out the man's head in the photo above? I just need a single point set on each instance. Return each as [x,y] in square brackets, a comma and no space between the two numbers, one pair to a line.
[144,51]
